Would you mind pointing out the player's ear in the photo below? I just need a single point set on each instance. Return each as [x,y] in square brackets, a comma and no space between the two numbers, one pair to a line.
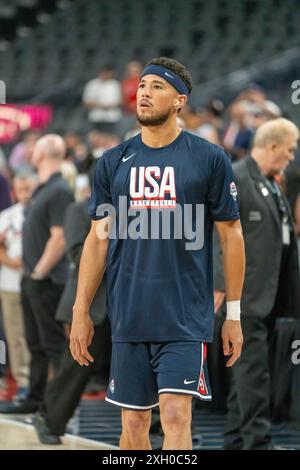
[180,102]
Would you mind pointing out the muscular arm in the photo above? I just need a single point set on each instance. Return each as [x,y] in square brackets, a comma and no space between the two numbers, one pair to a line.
[91,271]
[92,267]
[233,250]
[232,243]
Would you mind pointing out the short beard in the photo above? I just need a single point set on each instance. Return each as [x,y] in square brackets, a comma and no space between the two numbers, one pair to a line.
[154,120]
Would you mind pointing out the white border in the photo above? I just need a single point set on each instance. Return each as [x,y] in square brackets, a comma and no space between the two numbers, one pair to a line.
[134,407]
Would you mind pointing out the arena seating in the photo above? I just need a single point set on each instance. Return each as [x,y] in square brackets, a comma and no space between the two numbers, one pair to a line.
[79,37]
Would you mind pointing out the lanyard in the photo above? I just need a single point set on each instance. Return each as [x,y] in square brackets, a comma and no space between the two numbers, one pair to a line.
[283,210]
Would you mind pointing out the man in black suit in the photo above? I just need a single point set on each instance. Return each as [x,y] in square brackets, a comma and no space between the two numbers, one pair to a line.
[271,286]
[63,393]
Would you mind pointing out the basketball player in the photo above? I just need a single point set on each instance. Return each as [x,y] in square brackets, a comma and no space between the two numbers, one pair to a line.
[160,288]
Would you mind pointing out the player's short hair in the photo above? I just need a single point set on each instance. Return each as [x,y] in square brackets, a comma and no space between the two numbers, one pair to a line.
[176,67]
[276,130]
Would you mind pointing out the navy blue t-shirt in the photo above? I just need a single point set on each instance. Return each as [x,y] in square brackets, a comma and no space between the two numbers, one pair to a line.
[159,263]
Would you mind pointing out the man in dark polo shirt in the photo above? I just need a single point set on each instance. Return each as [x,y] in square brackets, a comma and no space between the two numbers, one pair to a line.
[45,269]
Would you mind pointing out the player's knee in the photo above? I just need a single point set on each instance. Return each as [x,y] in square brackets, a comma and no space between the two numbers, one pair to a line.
[136,424]
[175,415]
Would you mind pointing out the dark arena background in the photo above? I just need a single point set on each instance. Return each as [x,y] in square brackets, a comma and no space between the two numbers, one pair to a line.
[72,68]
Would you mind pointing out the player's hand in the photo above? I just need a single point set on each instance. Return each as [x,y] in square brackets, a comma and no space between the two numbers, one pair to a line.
[219,297]
[82,332]
[232,340]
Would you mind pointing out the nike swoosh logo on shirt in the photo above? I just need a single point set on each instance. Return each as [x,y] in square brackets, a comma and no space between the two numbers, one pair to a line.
[124,159]
[188,382]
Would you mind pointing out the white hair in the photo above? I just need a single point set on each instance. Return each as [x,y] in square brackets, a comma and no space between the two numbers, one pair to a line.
[275,131]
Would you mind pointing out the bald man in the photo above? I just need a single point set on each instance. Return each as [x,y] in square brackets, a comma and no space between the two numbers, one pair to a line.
[271,286]
[45,269]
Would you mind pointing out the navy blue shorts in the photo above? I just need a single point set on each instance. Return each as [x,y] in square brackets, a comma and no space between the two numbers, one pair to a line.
[140,372]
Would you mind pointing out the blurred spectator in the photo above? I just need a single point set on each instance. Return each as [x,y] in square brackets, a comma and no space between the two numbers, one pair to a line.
[69,173]
[130,86]
[72,140]
[214,115]
[5,170]
[5,199]
[238,136]
[197,122]
[257,114]
[45,269]
[82,187]
[84,158]
[22,152]
[254,93]
[80,153]
[11,227]
[271,110]
[98,142]
[103,98]
[2,158]
[247,112]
